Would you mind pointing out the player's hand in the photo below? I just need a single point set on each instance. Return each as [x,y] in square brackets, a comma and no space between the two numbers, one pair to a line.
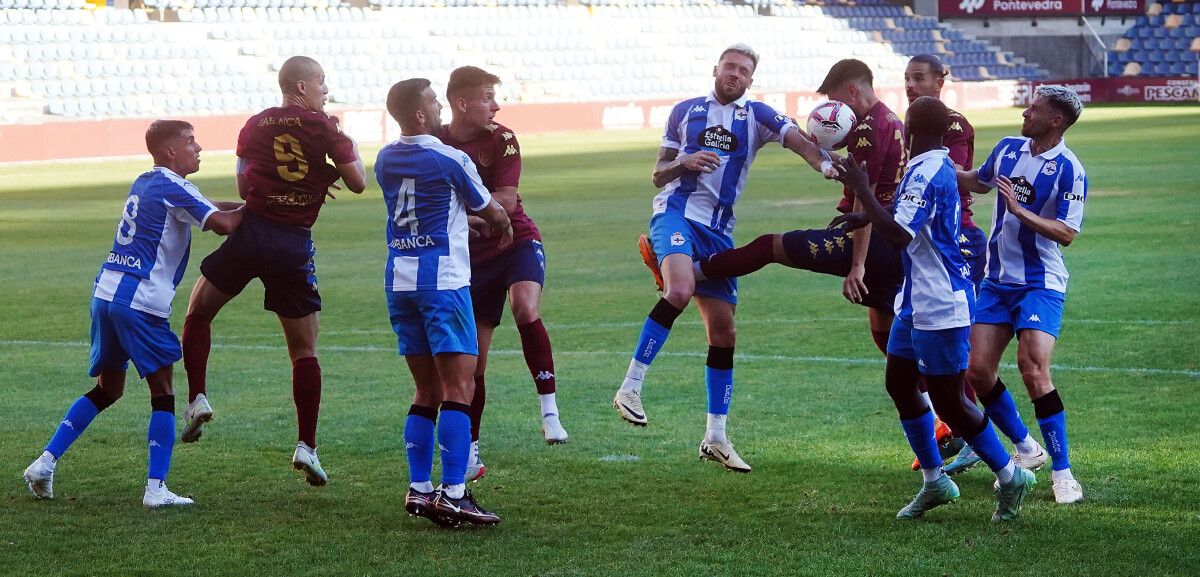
[853,287]
[1004,188]
[852,173]
[506,237]
[332,187]
[478,227]
[850,221]
[704,161]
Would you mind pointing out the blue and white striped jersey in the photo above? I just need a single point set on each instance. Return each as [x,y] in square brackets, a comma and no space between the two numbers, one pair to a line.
[1052,185]
[735,132]
[937,293]
[426,185]
[154,238]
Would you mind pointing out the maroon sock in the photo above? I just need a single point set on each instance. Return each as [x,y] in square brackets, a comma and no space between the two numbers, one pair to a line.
[477,403]
[306,393]
[881,340]
[535,343]
[742,260]
[197,340]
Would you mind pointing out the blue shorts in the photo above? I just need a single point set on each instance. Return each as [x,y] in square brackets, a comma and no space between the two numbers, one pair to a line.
[672,233]
[973,245]
[525,261]
[121,334]
[279,255]
[943,352]
[1022,307]
[433,321]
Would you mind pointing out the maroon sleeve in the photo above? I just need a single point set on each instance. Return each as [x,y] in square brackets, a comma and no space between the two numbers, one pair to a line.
[338,145]
[507,170]
[960,139]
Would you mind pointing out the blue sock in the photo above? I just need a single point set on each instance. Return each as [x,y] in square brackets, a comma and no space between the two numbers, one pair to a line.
[419,443]
[78,417]
[454,439]
[161,437]
[919,432]
[1054,433]
[650,341]
[987,445]
[720,389]
[1000,409]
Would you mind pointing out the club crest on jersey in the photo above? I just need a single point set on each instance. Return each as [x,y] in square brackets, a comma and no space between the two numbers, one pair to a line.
[1049,168]
[485,157]
[718,138]
[677,239]
[1023,190]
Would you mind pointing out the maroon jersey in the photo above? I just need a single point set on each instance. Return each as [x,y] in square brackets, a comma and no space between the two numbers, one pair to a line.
[960,139]
[497,157]
[879,140]
[286,175]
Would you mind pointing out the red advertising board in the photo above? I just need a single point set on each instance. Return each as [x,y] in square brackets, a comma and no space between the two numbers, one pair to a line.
[1119,89]
[1038,8]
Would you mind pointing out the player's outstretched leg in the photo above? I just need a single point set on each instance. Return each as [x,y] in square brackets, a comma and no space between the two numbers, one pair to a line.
[39,475]
[160,437]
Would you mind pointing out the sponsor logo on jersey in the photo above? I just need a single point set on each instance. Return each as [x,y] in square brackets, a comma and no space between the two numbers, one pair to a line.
[411,242]
[718,138]
[279,121]
[1049,168]
[291,199]
[125,260]
[913,198]
[1073,196]
[1023,190]
[677,239]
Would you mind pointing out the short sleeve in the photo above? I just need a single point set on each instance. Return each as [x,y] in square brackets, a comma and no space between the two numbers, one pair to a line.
[1072,195]
[341,147]
[506,171]
[960,139]
[465,179]
[672,137]
[189,205]
[914,203]
[772,126]
[987,171]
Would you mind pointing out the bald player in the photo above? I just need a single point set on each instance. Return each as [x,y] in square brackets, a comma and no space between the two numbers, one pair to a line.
[288,158]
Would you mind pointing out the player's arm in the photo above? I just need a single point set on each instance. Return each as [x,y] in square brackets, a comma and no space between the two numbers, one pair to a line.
[497,219]
[225,220]
[796,141]
[969,180]
[855,178]
[1053,229]
[671,166]
[506,196]
[243,187]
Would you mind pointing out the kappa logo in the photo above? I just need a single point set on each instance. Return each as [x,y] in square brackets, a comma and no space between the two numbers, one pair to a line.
[863,142]
[921,363]
[648,352]
[443,448]
[466,160]
[68,424]
[506,135]
[677,239]
[1034,318]
[956,126]
[970,6]
[862,126]
[698,108]
[510,150]
[920,179]
[1011,155]
[1049,168]
[154,444]
[544,376]
[410,445]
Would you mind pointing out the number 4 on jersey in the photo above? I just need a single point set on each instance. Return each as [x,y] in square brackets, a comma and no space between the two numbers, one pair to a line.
[406,207]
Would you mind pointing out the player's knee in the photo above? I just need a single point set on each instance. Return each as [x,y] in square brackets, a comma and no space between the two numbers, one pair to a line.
[525,312]
[980,379]
[679,296]
[722,336]
[1033,369]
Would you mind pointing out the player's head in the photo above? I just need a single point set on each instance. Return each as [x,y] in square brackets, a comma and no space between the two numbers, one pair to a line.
[173,145]
[734,72]
[924,76]
[471,93]
[415,107]
[302,81]
[850,81]
[1053,110]
[926,122]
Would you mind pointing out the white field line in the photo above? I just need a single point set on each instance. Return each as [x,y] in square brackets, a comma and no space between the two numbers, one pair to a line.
[741,357]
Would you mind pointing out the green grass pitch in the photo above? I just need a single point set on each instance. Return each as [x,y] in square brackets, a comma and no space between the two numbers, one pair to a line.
[809,410]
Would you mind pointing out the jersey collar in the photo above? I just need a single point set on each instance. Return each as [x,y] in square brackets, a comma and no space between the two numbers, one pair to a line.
[741,102]
[1054,151]
[928,154]
[419,139]
[168,171]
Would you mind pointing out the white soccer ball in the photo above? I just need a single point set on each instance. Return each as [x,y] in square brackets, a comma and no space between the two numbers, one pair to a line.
[829,124]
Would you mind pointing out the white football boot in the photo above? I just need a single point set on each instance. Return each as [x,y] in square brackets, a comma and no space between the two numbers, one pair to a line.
[158,495]
[629,404]
[305,459]
[724,454]
[553,430]
[198,412]
[1033,461]
[40,476]
[1067,491]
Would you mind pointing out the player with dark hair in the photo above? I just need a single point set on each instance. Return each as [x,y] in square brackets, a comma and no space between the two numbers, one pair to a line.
[706,152]
[283,175]
[929,336]
[519,270]
[131,303]
[427,187]
[1042,191]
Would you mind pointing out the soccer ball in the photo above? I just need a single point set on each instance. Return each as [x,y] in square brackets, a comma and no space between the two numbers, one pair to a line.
[829,124]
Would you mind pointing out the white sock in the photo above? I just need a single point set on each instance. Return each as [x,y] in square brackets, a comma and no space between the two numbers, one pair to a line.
[424,487]
[48,459]
[474,454]
[931,475]
[716,429]
[928,401]
[307,449]
[696,271]
[1060,475]
[1027,446]
[455,491]
[634,376]
[1006,474]
[155,485]
[549,406]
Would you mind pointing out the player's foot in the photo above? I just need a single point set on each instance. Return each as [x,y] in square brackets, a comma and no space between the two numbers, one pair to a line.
[629,404]
[724,454]
[1067,491]
[305,459]
[553,430]
[475,467]
[420,504]
[943,491]
[950,446]
[157,495]
[1032,461]
[651,259]
[1010,495]
[39,475]
[963,462]
[463,510]
[198,412]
